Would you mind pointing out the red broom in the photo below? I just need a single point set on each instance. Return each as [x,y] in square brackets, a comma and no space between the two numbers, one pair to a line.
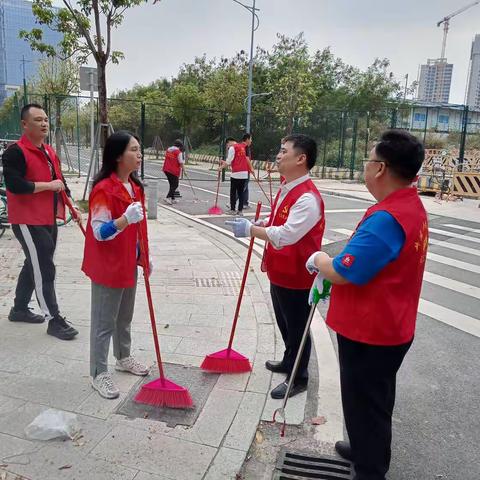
[228,360]
[216,210]
[161,392]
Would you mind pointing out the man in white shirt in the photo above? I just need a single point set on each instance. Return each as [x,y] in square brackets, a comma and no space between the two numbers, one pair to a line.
[240,165]
[292,232]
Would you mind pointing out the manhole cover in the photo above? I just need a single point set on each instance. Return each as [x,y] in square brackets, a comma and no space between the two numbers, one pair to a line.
[302,465]
[198,383]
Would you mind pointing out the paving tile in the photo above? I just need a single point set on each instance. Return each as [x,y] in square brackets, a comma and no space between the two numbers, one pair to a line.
[155,453]
[266,339]
[244,425]
[226,465]
[260,377]
[96,406]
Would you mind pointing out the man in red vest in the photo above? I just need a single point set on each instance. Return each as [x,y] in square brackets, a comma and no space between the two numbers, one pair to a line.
[34,181]
[374,300]
[237,159]
[293,232]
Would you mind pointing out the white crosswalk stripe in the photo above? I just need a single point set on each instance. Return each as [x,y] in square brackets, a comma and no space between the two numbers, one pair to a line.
[449,316]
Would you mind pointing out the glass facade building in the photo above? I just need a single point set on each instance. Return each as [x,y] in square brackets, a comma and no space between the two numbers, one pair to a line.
[16,15]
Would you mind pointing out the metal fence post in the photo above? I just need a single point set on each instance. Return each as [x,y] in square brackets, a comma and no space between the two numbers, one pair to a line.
[393,120]
[463,138]
[78,140]
[222,144]
[142,139]
[426,124]
[354,147]
[325,141]
[367,135]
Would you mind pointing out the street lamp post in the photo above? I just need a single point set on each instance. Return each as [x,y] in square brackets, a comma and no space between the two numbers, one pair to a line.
[253,11]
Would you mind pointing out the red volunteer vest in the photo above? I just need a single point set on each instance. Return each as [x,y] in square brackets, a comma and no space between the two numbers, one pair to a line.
[36,208]
[171,164]
[112,263]
[239,163]
[384,311]
[286,267]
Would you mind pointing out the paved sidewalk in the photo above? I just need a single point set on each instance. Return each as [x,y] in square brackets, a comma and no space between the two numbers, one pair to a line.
[195,284]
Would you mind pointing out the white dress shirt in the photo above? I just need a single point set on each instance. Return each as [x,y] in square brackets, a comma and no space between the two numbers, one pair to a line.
[303,216]
[229,160]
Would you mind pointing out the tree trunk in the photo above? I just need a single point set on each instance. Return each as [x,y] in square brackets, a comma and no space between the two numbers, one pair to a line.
[58,126]
[102,101]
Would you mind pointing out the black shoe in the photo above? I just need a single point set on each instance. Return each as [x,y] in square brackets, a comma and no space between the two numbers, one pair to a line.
[58,327]
[276,367]
[344,450]
[280,390]
[26,316]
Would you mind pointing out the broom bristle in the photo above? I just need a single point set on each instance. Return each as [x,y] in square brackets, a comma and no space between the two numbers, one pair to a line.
[226,361]
[164,393]
[215,211]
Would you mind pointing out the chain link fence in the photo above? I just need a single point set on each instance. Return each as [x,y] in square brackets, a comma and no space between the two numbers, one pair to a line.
[344,137]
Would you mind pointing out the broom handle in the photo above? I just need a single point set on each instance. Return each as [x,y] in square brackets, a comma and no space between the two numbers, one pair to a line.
[244,279]
[261,188]
[146,272]
[74,213]
[270,185]
[218,187]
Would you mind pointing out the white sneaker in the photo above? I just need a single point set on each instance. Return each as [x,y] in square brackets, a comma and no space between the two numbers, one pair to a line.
[167,201]
[133,366]
[239,213]
[103,384]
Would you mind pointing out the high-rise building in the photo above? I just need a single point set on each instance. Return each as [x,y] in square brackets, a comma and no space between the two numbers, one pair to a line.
[16,57]
[435,80]
[473,88]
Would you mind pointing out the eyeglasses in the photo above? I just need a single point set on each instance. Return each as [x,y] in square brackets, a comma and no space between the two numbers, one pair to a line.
[375,161]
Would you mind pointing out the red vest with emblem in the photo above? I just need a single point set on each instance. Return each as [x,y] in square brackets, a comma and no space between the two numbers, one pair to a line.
[113,263]
[384,311]
[36,208]
[171,164]
[286,267]
[239,163]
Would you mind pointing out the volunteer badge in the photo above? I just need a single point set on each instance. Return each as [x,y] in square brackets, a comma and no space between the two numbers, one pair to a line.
[347,260]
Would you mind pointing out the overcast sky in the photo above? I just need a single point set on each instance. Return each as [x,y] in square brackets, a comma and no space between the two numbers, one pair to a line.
[157,39]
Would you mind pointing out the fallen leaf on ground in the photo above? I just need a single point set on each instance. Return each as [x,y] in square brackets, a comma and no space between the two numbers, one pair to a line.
[259,437]
[166,325]
[319,420]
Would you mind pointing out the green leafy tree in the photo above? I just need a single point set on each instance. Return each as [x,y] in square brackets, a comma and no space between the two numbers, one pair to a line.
[86,27]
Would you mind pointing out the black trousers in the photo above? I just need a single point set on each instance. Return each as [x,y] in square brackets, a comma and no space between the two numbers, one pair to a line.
[38,271]
[173,184]
[237,190]
[245,192]
[368,382]
[291,312]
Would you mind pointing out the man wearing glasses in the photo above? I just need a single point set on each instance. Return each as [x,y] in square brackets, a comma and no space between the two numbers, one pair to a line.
[374,300]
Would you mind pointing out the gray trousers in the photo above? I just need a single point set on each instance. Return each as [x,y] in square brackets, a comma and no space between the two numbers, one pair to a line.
[111,317]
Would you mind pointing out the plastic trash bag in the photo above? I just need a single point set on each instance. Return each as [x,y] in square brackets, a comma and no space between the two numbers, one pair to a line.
[53,424]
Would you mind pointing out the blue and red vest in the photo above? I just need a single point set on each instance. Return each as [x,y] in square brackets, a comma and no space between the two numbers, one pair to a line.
[239,163]
[286,267]
[384,311]
[171,163]
[36,208]
[113,263]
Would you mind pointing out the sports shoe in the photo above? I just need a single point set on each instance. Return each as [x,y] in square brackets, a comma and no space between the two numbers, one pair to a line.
[60,328]
[26,316]
[133,366]
[230,212]
[247,207]
[103,384]
[168,201]
[239,213]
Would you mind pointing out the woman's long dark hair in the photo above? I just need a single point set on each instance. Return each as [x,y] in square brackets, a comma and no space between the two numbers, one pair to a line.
[115,147]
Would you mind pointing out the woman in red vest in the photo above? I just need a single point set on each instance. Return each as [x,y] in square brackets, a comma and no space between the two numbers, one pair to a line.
[111,256]
[293,232]
[374,300]
[172,167]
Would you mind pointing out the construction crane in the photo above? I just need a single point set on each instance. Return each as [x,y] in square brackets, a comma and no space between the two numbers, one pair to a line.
[446,23]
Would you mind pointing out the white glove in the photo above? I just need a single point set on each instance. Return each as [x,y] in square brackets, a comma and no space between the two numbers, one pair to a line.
[323,287]
[310,265]
[134,213]
[240,226]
